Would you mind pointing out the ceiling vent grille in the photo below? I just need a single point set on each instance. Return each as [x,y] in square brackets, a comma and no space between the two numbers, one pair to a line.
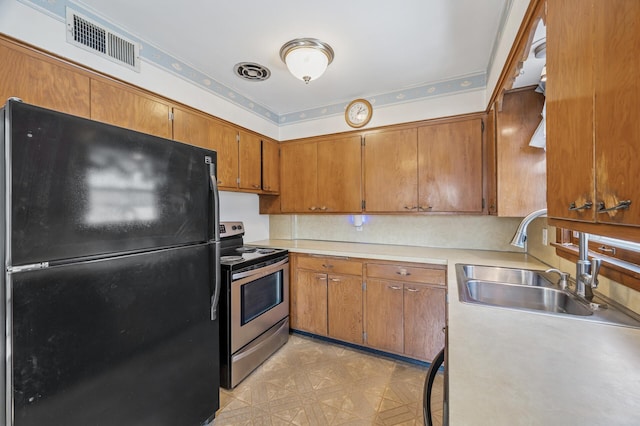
[89,35]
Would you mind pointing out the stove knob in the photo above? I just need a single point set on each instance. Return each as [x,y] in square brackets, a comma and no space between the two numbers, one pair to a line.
[239,226]
[234,227]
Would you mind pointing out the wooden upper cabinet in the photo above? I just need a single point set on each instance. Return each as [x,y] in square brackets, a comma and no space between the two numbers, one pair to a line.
[391,171]
[617,107]
[42,82]
[225,142]
[340,175]
[570,114]
[450,167]
[116,104]
[192,128]
[321,176]
[270,166]
[520,184]
[249,161]
[593,99]
[299,171]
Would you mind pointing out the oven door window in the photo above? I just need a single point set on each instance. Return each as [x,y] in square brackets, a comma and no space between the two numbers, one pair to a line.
[259,296]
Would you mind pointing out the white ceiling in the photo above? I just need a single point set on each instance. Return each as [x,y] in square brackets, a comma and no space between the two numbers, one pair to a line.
[381,46]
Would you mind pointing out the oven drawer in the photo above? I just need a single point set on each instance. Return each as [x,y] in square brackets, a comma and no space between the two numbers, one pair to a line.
[329,264]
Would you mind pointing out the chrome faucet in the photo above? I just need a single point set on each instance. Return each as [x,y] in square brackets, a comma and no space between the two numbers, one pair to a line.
[520,237]
[586,270]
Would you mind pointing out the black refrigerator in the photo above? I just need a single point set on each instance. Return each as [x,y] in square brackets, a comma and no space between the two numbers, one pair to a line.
[109,294]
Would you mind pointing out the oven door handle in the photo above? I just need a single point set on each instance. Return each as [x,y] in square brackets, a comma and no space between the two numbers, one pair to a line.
[259,270]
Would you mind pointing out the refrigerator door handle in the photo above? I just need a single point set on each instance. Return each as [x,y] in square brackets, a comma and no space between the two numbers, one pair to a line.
[216,292]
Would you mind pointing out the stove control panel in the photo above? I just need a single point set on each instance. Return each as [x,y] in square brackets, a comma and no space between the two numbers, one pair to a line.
[228,229]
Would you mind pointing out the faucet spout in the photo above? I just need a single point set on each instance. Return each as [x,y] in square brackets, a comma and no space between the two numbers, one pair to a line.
[520,237]
[586,270]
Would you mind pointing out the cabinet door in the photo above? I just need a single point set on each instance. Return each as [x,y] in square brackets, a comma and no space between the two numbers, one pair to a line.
[344,303]
[391,171]
[340,175]
[249,153]
[570,119]
[384,315]
[617,104]
[424,319]
[450,167]
[115,104]
[225,142]
[299,171]
[192,128]
[270,166]
[40,82]
[309,302]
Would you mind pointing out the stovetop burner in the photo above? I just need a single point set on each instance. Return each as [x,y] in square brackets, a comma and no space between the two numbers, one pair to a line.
[246,249]
[266,250]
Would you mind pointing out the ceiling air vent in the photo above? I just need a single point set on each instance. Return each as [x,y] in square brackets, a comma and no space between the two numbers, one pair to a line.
[89,35]
[251,71]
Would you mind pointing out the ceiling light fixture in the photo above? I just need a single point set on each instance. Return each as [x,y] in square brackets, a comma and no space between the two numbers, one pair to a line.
[306,58]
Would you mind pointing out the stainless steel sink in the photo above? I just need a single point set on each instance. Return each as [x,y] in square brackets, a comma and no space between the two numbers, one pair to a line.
[507,275]
[524,297]
[537,291]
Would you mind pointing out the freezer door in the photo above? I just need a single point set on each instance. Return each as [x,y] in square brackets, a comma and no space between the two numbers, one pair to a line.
[120,341]
[82,188]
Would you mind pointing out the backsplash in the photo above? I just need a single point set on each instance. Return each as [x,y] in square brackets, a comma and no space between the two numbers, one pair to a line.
[469,232]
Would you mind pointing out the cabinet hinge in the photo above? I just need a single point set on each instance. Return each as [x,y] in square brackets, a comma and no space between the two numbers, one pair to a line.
[362,140]
[483,203]
[238,181]
[238,137]
[364,336]
[364,204]
[482,125]
[364,286]
[170,115]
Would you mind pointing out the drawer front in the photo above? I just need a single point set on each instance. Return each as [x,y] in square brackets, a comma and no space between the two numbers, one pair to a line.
[406,273]
[330,264]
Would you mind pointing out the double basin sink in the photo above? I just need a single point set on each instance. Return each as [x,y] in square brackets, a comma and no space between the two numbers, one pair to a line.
[533,290]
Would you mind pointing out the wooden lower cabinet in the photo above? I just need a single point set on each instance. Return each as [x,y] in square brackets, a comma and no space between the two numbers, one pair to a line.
[326,297]
[344,303]
[405,309]
[400,309]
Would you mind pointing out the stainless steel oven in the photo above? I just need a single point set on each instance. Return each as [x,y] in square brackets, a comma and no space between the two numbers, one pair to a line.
[254,306]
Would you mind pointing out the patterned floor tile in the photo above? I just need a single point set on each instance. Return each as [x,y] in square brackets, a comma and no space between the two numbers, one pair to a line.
[315,383]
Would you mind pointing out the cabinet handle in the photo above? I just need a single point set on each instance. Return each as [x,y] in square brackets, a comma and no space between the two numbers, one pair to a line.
[320,276]
[622,205]
[412,290]
[335,280]
[606,249]
[312,208]
[256,186]
[395,287]
[404,273]
[219,182]
[585,206]
[410,208]
[327,266]
[425,209]
[323,208]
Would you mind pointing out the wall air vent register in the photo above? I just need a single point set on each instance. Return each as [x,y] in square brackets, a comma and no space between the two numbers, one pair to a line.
[91,36]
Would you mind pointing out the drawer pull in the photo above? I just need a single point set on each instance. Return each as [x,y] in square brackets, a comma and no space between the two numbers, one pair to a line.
[404,273]
[335,280]
[622,205]
[606,249]
[585,206]
[312,208]
[327,266]
[395,287]
[412,290]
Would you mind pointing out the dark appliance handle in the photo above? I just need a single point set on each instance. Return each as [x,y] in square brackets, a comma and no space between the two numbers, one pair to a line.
[215,211]
[428,387]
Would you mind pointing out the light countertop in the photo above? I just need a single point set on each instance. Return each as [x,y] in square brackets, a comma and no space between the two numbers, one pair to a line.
[511,367]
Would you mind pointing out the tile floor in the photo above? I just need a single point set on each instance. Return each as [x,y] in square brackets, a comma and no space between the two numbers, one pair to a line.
[313,382]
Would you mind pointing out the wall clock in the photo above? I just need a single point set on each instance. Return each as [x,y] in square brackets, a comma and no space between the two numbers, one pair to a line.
[358,113]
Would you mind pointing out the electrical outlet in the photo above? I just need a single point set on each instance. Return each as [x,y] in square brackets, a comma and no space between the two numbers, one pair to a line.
[545,240]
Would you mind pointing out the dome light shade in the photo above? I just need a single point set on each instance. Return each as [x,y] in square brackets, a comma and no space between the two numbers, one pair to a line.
[306,58]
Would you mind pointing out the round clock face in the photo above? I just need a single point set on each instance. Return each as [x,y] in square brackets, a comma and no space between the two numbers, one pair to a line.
[358,113]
